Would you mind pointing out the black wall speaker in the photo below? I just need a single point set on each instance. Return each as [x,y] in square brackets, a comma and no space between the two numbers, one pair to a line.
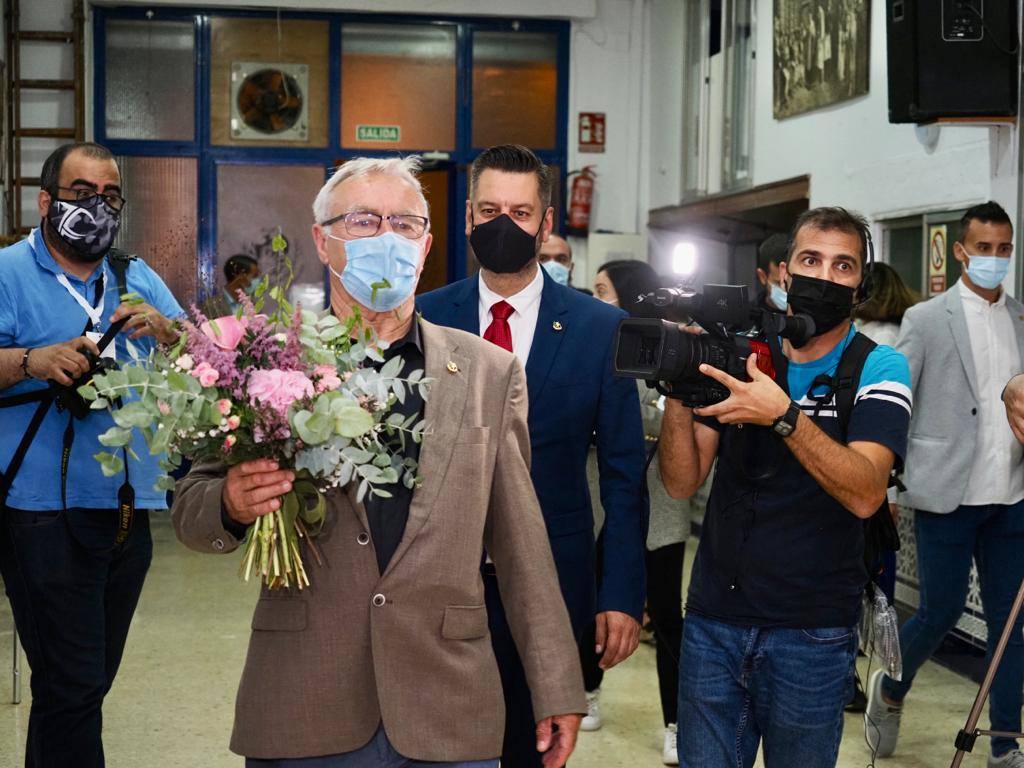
[951,58]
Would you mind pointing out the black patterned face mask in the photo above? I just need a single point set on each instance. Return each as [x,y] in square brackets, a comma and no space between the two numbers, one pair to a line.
[88,232]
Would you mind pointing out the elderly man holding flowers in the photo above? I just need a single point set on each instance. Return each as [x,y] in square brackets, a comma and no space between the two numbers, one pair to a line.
[422,460]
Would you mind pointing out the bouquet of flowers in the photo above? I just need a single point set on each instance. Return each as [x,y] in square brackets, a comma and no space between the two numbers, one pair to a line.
[298,387]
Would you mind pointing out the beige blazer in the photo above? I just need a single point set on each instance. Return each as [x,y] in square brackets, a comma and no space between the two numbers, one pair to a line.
[410,648]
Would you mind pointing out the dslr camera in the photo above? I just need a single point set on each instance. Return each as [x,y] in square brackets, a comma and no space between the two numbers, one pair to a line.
[658,351]
[67,397]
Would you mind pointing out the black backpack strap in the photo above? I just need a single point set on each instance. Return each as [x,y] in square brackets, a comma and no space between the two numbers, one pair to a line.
[45,399]
[119,261]
[846,381]
[880,533]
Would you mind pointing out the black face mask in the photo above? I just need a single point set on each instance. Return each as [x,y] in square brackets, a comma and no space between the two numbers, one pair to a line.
[87,232]
[827,303]
[502,246]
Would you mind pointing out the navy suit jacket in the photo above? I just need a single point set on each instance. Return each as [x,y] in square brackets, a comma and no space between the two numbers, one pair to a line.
[574,396]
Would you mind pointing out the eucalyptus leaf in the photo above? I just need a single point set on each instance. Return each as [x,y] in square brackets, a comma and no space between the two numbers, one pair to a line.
[164,483]
[353,421]
[110,464]
[115,437]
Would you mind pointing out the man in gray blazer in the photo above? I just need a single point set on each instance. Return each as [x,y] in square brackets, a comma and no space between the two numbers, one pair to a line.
[385,661]
[964,474]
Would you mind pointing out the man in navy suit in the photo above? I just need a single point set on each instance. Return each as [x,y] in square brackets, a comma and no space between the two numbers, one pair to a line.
[566,341]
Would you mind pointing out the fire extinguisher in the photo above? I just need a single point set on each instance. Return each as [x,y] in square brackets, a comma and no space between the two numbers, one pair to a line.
[581,198]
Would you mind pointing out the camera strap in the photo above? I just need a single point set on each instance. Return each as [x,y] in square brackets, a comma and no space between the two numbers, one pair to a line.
[45,397]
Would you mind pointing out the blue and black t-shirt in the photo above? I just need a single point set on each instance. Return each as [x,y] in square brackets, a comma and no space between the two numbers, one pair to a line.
[776,549]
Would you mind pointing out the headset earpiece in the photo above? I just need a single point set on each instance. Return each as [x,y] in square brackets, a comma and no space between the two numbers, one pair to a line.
[866,281]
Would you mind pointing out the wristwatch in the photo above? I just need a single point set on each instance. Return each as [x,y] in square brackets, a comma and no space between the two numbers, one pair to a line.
[786,423]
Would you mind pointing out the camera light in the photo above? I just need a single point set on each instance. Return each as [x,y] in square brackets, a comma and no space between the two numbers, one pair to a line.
[684,258]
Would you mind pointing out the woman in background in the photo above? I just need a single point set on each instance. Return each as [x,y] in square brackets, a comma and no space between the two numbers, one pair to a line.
[621,283]
[889,298]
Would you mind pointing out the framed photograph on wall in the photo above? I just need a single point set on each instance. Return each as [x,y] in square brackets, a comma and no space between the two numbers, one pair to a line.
[821,53]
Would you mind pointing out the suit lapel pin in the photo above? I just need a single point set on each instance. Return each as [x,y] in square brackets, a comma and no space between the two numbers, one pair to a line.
[556,325]
[452,367]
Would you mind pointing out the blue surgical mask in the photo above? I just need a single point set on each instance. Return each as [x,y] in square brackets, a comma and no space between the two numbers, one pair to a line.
[987,271]
[388,261]
[778,296]
[558,272]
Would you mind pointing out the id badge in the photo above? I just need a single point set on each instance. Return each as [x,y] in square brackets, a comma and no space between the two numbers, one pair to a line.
[110,352]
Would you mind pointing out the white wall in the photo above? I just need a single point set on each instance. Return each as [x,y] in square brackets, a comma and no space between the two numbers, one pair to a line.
[857,159]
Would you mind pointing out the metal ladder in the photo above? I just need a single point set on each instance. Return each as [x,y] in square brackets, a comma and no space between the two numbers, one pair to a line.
[14,132]
[15,83]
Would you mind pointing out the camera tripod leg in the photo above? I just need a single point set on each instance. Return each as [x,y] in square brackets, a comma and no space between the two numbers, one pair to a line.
[969,733]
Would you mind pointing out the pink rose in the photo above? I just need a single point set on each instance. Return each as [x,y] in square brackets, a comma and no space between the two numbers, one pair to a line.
[225,332]
[206,374]
[234,421]
[223,406]
[229,441]
[326,378]
[278,389]
[165,409]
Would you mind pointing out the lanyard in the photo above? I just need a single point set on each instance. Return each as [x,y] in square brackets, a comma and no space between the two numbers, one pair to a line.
[95,313]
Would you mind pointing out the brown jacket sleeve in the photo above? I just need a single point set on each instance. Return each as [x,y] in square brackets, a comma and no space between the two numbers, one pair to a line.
[517,541]
[197,507]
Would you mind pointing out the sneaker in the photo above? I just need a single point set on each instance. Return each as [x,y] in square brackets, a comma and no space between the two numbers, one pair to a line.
[670,751]
[882,721]
[1014,759]
[592,721]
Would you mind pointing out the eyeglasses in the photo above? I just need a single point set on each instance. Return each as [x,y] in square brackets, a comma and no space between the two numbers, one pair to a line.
[88,198]
[366,224]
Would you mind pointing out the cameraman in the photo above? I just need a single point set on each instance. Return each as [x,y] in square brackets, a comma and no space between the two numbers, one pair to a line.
[769,639]
[72,558]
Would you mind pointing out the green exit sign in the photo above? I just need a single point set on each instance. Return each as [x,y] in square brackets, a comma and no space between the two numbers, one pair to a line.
[392,133]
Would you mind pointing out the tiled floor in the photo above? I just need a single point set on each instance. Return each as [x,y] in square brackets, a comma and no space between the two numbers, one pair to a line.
[172,704]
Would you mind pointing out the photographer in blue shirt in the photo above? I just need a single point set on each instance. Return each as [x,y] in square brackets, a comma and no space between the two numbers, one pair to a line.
[769,639]
[74,544]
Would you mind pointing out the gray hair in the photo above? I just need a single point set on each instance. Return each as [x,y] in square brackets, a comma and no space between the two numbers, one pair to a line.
[405,168]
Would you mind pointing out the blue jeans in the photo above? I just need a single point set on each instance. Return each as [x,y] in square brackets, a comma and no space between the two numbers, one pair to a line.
[993,535]
[377,754]
[741,685]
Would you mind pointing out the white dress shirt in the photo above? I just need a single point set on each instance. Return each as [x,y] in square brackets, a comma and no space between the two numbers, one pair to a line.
[996,477]
[522,322]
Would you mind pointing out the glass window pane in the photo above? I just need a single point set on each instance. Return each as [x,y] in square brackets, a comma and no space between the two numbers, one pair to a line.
[150,80]
[251,210]
[268,82]
[160,221]
[398,77]
[905,255]
[739,94]
[515,89]
[436,184]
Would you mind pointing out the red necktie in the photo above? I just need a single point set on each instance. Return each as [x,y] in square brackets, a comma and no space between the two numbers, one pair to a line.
[499,331]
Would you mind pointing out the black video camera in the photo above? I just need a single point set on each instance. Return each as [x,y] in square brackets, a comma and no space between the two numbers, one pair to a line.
[658,351]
